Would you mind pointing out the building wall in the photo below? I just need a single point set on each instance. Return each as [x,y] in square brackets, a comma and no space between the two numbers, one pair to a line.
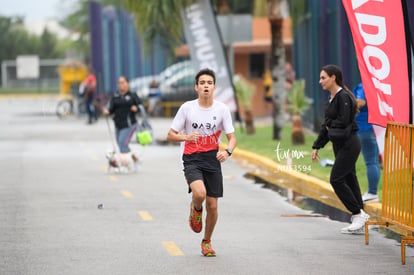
[259,106]
[241,66]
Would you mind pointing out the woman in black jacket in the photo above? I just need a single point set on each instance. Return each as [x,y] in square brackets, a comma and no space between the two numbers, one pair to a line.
[340,114]
[123,107]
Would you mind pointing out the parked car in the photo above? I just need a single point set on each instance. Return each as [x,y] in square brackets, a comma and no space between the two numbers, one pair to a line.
[179,87]
[141,84]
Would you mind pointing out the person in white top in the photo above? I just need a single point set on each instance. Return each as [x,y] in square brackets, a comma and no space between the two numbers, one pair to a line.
[199,124]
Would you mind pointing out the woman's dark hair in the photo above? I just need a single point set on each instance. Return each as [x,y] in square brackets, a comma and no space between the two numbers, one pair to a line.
[331,70]
[124,77]
[207,72]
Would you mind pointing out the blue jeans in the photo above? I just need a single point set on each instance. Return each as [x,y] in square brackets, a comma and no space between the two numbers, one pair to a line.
[123,137]
[371,153]
[90,109]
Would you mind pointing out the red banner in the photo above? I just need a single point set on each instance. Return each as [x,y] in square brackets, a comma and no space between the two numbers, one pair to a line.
[377,28]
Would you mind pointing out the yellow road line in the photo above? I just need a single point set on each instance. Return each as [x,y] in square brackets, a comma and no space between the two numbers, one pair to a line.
[95,158]
[113,178]
[172,249]
[127,194]
[145,215]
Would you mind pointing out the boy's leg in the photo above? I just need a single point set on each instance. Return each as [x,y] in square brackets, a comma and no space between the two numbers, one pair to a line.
[199,194]
[196,209]
[211,219]
[212,215]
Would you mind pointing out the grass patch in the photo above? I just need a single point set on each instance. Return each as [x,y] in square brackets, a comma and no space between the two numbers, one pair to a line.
[262,143]
[28,90]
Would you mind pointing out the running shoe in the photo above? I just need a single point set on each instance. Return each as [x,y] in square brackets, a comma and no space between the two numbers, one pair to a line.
[358,221]
[365,215]
[368,197]
[195,219]
[360,231]
[206,249]
[357,225]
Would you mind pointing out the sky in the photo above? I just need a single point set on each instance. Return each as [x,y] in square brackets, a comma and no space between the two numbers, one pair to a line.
[34,10]
[39,14]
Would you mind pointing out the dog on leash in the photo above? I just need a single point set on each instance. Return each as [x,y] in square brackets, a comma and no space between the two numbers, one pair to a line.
[114,165]
[118,165]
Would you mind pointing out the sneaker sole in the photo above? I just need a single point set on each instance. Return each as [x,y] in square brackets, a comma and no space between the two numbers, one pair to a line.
[209,255]
[192,228]
[356,232]
[372,200]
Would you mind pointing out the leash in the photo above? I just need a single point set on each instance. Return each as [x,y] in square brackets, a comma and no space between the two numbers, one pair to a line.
[111,135]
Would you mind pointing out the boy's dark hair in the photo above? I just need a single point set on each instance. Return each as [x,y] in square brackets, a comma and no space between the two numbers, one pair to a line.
[207,72]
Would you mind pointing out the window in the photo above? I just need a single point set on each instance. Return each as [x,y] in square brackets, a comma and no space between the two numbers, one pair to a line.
[256,65]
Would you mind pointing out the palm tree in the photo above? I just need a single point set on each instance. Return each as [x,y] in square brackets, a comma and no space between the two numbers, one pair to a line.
[77,21]
[298,104]
[244,91]
[158,18]
[276,12]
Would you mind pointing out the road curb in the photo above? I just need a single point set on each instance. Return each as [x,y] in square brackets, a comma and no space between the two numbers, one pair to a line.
[317,189]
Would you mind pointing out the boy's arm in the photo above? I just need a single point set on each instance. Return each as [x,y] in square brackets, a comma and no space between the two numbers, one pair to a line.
[174,136]
[231,138]
[224,155]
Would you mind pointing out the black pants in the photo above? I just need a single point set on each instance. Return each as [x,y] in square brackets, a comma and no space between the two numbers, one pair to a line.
[343,176]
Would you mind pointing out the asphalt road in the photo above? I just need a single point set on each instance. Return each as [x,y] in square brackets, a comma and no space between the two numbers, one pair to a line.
[53,176]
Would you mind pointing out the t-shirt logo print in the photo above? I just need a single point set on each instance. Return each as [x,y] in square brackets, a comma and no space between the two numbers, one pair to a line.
[194,125]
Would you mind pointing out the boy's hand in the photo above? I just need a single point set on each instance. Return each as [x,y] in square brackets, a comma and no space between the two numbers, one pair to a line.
[222,156]
[193,137]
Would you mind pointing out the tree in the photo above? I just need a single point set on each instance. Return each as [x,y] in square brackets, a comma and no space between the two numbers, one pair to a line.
[77,21]
[48,43]
[298,104]
[14,39]
[277,11]
[159,18]
[244,91]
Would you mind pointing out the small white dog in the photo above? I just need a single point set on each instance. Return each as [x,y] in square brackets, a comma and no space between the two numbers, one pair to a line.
[120,164]
[114,164]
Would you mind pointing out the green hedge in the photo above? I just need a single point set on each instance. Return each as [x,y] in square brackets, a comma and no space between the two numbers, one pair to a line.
[28,90]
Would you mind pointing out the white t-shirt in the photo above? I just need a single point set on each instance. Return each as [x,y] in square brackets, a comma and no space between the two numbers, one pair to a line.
[208,122]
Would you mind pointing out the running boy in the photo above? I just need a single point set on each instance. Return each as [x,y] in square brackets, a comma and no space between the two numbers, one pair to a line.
[201,121]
